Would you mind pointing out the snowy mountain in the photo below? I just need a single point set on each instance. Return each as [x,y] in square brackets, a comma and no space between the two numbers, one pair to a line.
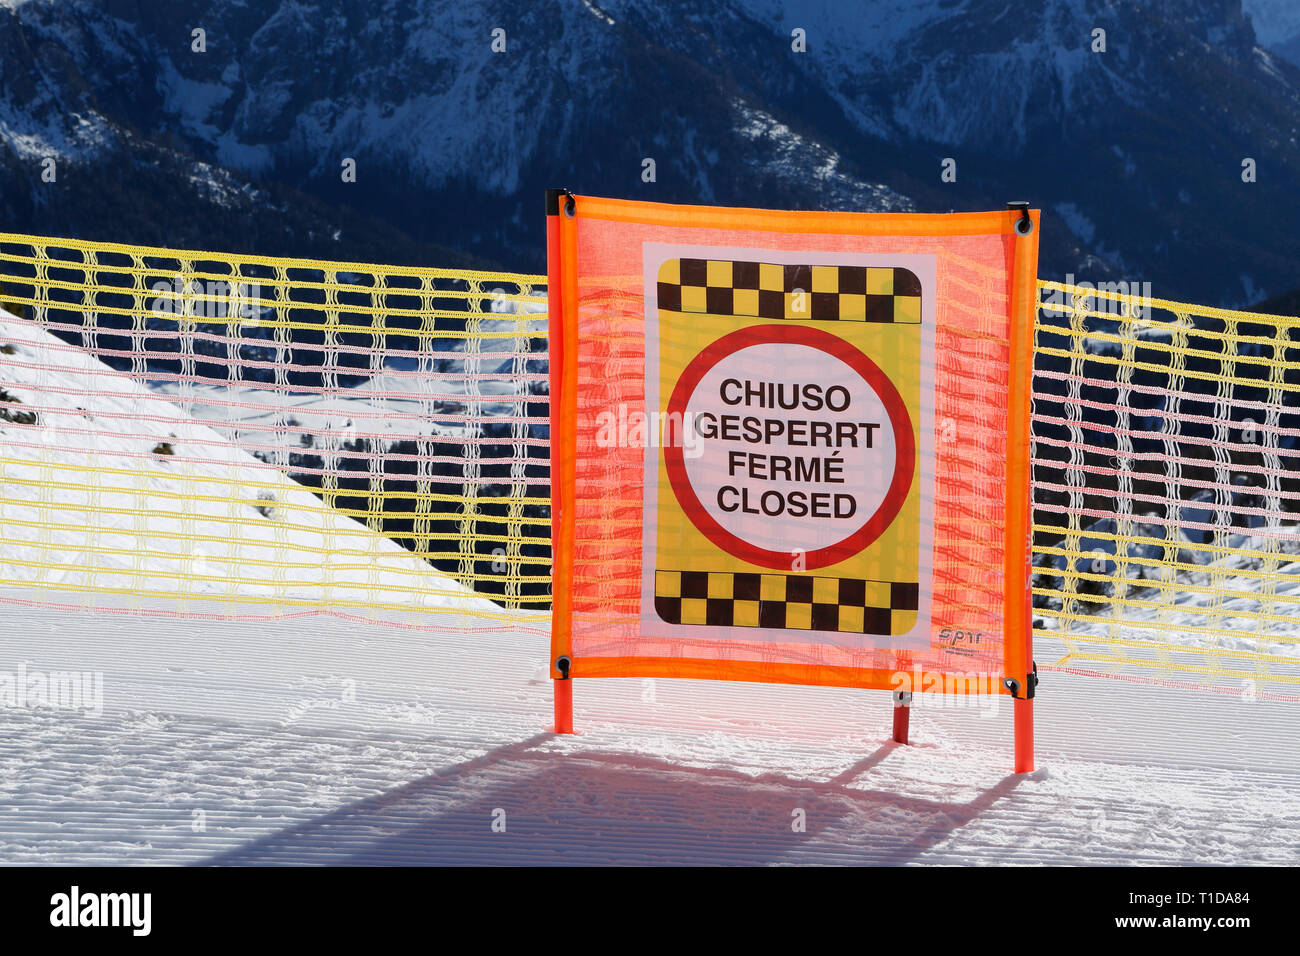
[1277,26]
[1135,152]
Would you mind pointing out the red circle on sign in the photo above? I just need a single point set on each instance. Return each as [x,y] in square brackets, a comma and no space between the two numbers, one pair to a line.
[870,372]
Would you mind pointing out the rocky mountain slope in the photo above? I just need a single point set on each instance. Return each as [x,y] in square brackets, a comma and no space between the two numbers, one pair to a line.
[1136,152]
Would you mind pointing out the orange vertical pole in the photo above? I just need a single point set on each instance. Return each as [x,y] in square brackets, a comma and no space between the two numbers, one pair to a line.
[559,269]
[1023,718]
[563,704]
[1020,674]
[902,715]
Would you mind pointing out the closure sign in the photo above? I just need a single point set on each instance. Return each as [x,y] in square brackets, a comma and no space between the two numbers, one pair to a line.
[789,497]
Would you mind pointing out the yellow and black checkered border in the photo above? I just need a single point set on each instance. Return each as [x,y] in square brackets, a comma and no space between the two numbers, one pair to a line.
[794,601]
[765,290]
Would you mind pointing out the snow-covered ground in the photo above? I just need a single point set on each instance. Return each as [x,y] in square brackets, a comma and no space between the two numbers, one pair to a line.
[316,739]
[324,742]
[113,486]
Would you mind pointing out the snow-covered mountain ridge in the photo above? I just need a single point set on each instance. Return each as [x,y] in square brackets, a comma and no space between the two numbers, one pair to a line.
[1135,152]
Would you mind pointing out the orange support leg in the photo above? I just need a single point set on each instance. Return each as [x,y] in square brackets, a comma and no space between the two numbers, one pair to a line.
[1023,714]
[902,714]
[563,706]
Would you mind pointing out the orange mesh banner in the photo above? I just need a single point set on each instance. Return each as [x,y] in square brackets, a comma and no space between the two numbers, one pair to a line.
[791,447]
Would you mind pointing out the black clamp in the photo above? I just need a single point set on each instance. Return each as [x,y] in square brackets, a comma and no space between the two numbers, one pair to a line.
[1024,225]
[1031,680]
[553,203]
[562,664]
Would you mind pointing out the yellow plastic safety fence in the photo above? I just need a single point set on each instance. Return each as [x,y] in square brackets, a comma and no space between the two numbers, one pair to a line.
[1166,491]
[201,433]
